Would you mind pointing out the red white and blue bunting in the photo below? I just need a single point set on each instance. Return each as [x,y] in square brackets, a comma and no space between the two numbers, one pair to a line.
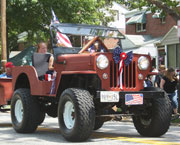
[121,58]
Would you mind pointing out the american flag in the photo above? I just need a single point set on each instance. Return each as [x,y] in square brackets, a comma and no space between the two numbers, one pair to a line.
[62,39]
[134,99]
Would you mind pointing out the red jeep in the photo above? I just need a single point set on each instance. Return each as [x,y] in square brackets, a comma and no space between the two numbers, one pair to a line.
[86,87]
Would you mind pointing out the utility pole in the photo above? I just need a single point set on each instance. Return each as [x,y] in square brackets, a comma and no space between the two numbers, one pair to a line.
[3,35]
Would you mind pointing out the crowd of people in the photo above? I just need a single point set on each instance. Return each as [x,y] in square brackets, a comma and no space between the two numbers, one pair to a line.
[168,81]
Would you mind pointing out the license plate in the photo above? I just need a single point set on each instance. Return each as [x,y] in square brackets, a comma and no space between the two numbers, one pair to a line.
[134,99]
[109,96]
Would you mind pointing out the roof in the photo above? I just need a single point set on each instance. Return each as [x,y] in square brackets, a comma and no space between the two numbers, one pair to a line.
[170,37]
[140,18]
[136,12]
[143,44]
[131,41]
[119,7]
[88,30]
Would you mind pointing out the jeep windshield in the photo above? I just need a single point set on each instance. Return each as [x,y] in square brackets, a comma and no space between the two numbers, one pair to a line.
[88,30]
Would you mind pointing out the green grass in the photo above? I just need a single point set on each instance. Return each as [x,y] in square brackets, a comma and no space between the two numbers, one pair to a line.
[176,120]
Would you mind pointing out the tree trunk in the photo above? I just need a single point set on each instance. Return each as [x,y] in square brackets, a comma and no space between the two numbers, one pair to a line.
[3,35]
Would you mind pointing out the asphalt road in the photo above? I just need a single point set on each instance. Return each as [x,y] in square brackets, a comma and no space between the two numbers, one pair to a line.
[113,132]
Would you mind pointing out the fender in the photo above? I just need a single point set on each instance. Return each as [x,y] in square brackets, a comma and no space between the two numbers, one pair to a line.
[37,87]
[59,75]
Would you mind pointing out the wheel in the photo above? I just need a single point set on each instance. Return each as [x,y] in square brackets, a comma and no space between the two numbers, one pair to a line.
[41,117]
[76,114]
[25,112]
[157,120]
[52,110]
[98,123]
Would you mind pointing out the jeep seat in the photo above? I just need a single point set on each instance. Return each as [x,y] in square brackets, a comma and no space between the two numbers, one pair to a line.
[41,63]
[65,50]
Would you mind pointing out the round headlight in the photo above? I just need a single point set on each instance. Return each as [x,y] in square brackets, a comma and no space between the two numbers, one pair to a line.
[143,63]
[102,62]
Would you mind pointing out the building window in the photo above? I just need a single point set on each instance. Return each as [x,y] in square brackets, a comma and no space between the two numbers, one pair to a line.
[161,57]
[116,15]
[140,27]
[163,20]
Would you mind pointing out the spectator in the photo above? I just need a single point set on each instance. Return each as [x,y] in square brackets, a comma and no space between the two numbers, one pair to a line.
[154,76]
[42,48]
[159,76]
[148,82]
[169,84]
[8,69]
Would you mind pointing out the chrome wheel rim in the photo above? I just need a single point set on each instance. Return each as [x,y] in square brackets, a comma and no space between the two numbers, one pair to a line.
[19,111]
[69,115]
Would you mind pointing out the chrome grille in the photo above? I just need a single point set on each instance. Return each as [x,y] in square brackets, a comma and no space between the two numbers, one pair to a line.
[129,75]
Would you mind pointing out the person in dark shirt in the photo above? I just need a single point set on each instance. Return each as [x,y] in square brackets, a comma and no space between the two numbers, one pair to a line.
[169,84]
[42,48]
[148,82]
[159,76]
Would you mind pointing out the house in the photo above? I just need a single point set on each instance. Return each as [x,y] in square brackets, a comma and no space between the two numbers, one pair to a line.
[142,44]
[119,16]
[170,43]
[143,22]
[119,22]
[146,23]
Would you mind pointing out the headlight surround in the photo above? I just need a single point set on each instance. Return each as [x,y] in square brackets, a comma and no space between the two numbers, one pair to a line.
[143,63]
[102,62]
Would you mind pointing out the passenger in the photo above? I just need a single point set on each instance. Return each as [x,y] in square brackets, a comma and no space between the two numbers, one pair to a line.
[8,69]
[169,84]
[42,48]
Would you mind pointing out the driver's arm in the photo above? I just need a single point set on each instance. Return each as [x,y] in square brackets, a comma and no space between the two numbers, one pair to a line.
[51,61]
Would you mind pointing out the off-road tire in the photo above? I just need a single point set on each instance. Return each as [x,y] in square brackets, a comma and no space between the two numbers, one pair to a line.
[98,123]
[158,121]
[42,116]
[31,111]
[84,114]
[52,110]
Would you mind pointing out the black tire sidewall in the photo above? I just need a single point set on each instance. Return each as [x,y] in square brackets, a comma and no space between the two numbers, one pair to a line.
[82,126]
[160,118]
[15,123]
[31,111]
[66,131]
[98,123]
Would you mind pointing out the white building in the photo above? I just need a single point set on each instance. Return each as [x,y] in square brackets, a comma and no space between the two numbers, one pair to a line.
[119,17]
[142,44]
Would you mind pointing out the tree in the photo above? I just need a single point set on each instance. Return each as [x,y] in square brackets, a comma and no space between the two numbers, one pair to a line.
[164,6]
[33,16]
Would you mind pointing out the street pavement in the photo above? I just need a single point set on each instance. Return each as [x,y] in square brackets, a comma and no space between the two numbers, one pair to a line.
[112,132]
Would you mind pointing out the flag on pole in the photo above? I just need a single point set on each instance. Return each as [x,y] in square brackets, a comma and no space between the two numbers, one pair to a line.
[62,39]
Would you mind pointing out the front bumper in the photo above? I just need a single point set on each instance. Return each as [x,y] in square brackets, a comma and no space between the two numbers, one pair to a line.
[146,94]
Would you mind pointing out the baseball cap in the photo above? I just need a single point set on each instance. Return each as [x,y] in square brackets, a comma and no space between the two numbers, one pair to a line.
[9,64]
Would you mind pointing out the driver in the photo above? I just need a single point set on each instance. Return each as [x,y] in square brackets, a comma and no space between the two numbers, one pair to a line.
[42,48]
